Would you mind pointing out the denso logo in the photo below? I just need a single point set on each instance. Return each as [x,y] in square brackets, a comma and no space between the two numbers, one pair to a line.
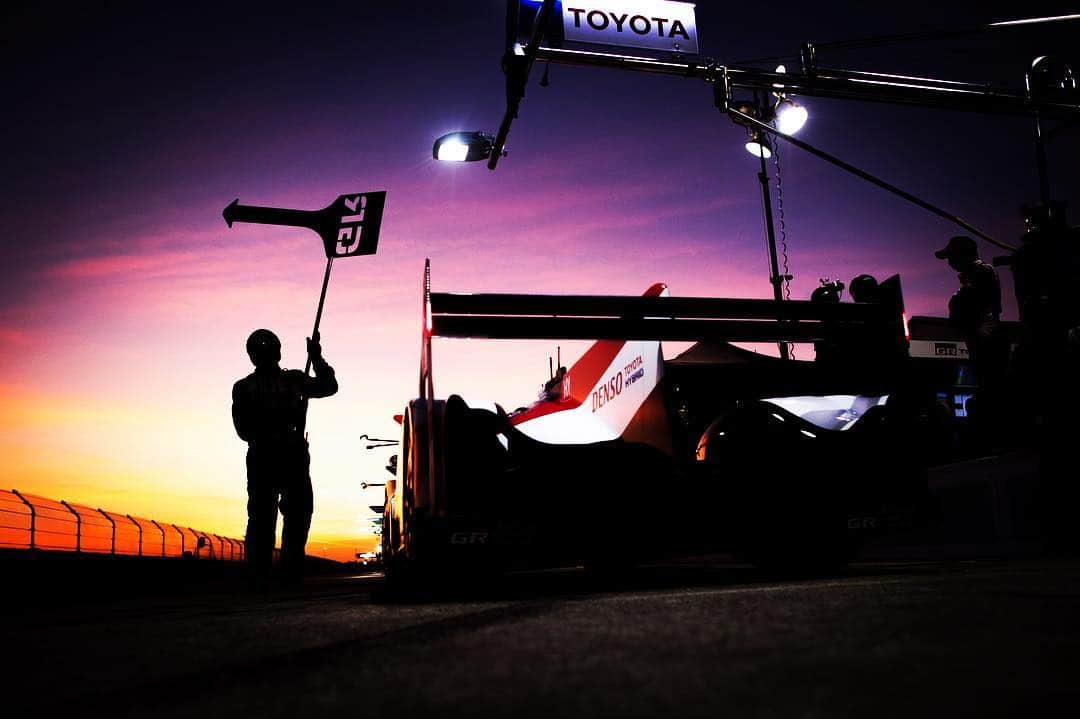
[611,389]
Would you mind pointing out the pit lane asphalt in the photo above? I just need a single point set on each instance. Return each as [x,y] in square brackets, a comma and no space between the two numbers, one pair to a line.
[701,638]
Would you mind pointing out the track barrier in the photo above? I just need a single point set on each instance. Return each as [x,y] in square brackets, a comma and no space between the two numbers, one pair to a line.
[28,521]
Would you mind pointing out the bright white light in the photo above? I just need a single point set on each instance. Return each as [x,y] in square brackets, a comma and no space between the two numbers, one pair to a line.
[1035,20]
[790,117]
[453,151]
[780,69]
[758,150]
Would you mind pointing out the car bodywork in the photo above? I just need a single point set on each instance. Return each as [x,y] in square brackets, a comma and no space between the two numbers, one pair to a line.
[626,456]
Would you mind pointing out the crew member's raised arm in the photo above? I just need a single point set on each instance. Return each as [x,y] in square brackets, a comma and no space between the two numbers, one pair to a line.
[324,383]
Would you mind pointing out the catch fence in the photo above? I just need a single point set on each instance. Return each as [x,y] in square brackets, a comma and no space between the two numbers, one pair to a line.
[28,521]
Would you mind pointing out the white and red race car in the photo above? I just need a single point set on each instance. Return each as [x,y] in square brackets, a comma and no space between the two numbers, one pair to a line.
[627,456]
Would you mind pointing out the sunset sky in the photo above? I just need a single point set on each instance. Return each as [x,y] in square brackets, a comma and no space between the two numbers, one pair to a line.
[128,127]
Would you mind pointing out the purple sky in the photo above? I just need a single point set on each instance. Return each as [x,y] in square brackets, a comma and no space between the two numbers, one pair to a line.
[125,301]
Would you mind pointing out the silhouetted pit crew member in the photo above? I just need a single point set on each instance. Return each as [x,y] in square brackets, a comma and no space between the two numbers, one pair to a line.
[269,412]
[553,388]
[1046,269]
[828,292]
[864,288]
[975,309]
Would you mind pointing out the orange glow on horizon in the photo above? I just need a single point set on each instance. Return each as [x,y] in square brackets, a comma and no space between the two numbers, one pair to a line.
[30,521]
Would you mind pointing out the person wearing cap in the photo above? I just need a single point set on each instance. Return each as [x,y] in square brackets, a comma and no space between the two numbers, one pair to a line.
[975,309]
[269,410]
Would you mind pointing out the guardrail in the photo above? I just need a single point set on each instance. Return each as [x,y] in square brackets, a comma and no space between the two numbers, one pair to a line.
[28,521]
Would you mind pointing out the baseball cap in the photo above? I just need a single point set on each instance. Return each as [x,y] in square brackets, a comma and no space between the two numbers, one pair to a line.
[960,245]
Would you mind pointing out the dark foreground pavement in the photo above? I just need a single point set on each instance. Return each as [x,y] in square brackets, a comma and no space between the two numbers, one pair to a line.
[703,638]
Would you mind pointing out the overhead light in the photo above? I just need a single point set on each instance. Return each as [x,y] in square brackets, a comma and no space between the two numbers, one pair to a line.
[780,69]
[463,147]
[790,116]
[759,146]
[453,150]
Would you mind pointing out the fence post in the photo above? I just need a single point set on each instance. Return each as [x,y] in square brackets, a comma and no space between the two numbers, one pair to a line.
[181,533]
[221,544]
[78,526]
[199,536]
[33,515]
[138,527]
[162,530]
[112,522]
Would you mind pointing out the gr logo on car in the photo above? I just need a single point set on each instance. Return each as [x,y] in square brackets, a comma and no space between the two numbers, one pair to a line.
[862,523]
[469,538]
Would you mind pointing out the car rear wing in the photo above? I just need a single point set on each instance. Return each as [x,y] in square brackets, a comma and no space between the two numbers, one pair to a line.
[877,326]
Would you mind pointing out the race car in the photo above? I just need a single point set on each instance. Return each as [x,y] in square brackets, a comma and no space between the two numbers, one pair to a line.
[627,456]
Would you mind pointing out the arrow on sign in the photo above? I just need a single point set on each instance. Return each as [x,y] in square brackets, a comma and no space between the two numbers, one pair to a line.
[348,226]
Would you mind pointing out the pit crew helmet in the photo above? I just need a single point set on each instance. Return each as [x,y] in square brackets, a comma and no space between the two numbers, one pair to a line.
[264,348]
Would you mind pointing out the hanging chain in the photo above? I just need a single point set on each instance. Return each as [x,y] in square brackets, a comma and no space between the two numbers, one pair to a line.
[786,273]
[780,217]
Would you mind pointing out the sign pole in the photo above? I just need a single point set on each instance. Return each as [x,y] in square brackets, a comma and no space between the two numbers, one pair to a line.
[318,312]
[348,227]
